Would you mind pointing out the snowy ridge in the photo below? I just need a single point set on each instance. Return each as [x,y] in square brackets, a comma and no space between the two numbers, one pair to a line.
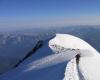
[89,57]
[72,42]
[56,61]
[71,72]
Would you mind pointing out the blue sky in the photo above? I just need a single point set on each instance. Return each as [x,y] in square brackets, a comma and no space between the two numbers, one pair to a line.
[38,13]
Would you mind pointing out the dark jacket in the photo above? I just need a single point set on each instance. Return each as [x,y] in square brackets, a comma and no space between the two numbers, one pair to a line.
[77,58]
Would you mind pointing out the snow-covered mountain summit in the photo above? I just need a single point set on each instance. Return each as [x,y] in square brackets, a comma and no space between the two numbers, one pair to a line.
[55,60]
[71,42]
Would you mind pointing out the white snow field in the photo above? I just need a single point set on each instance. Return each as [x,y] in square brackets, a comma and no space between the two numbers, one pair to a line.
[56,61]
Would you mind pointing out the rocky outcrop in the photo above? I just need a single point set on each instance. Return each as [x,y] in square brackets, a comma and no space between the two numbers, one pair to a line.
[38,46]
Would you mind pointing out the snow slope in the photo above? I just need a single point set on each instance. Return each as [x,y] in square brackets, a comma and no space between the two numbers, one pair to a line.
[56,61]
[14,46]
[90,67]
[90,58]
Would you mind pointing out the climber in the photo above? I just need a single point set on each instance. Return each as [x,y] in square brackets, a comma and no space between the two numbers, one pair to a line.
[77,58]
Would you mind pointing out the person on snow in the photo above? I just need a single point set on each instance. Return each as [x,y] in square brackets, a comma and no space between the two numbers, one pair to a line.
[77,58]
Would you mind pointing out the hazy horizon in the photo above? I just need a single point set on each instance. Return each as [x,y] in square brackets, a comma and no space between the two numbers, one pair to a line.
[19,14]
